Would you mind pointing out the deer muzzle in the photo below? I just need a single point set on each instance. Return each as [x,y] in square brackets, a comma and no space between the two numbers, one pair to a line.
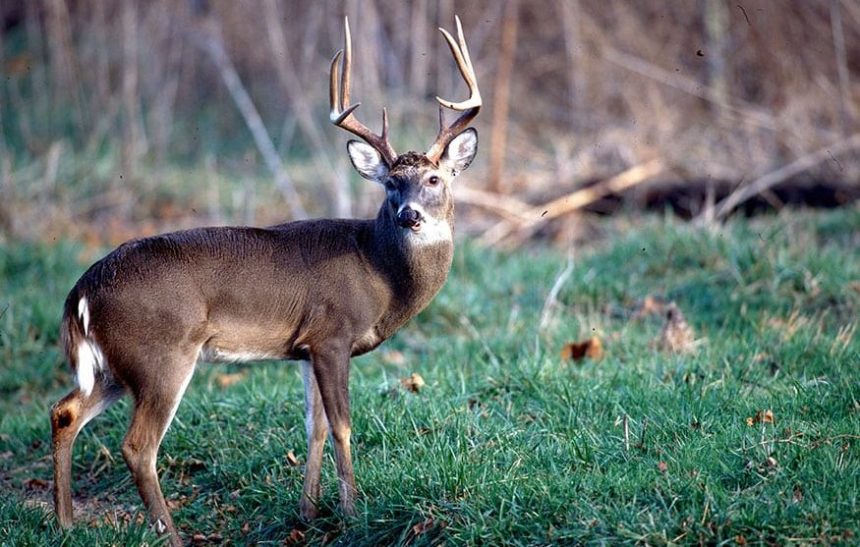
[407,217]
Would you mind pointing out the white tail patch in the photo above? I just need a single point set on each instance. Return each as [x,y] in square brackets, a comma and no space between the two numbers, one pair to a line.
[84,314]
[90,359]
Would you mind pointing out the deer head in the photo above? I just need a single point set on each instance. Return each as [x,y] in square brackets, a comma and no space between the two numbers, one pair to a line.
[417,186]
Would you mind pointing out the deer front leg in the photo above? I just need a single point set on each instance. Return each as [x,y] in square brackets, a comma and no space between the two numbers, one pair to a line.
[316,426]
[331,370]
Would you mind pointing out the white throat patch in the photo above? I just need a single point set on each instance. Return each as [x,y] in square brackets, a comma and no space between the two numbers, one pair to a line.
[432,230]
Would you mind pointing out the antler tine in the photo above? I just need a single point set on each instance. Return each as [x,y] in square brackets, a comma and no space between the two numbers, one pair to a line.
[342,113]
[464,64]
[470,106]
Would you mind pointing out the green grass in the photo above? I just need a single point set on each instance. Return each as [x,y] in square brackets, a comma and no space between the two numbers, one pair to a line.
[507,443]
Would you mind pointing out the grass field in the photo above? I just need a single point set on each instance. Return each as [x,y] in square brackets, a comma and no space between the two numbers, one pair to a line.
[754,437]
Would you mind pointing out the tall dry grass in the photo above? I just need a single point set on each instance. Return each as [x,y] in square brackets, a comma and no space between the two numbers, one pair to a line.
[575,90]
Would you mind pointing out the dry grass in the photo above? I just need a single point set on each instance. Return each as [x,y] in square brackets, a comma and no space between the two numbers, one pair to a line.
[719,92]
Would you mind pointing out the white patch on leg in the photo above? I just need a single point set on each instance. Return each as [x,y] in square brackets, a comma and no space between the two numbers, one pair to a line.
[310,384]
[432,230]
[84,314]
[214,354]
[90,359]
[178,400]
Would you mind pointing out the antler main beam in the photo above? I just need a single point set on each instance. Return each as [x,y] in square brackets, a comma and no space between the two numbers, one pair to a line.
[470,107]
[342,114]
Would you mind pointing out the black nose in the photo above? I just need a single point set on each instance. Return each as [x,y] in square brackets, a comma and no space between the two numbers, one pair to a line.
[408,217]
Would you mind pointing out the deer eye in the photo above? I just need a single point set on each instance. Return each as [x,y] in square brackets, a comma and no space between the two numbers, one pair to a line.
[433,181]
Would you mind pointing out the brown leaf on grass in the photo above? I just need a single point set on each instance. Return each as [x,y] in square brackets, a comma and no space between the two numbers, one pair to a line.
[226,380]
[761,417]
[652,305]
[797,495]
[740,540]
[677,335]
[181,501]
[292,459]
[414,382]
[296,537]
[577,351]
[36,484]
[423,527]
[394,357]
[212,539]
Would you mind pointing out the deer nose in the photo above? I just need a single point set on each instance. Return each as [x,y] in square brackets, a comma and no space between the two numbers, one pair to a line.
[407,217]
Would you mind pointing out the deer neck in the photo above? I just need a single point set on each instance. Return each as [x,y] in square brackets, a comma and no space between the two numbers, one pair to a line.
[415,268]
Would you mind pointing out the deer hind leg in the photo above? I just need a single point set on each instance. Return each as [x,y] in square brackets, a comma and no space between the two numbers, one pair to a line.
[331,370]
[68,416]
[156,400]
[316,426]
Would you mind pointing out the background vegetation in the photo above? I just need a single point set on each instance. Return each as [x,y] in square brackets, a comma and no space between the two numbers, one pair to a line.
[116,110]
[120,119]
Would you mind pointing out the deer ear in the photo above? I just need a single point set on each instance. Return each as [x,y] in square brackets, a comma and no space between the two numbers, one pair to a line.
[460,151]
[367,161]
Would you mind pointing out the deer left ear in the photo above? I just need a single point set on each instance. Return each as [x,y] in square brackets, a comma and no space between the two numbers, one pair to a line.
[367,161]
[460,152]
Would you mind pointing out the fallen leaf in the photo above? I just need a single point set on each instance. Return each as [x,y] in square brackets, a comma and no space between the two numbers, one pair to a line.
[414,382]
[226,380]
[662,467]
[292,459]
[762,416]
[296,536]
[677,336]
[740,540]
[577,351]
[423,527]
[797,496]
[652,305]
[394,357]
[36,484]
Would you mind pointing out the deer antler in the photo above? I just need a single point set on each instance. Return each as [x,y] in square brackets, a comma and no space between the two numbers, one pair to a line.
[469,107]
[342,115]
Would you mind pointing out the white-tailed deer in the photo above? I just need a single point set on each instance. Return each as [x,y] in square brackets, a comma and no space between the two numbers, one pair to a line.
[318,291]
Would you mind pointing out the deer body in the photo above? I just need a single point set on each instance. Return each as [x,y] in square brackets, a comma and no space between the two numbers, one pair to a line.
[318,291]
[303,276]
